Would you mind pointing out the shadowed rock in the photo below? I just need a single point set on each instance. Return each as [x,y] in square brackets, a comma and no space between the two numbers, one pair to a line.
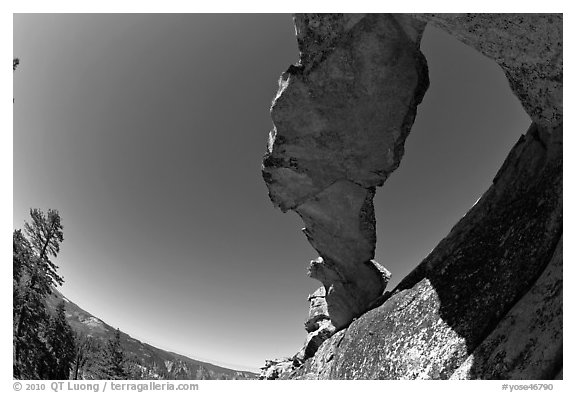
[527,343]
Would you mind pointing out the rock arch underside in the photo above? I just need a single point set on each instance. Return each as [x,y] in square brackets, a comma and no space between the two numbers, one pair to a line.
[486,303]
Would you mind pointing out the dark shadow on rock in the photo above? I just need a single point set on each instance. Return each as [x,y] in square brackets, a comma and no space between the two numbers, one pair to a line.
[498,250]
[441,313]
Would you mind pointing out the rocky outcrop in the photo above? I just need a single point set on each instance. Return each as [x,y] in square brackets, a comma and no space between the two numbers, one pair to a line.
[273,369]
[487,301]
[455,314]
[528,47]
[319,326]
[341,117]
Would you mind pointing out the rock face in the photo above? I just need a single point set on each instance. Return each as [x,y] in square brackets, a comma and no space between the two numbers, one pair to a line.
[528,47]
[527,342]
[464,311]
[341,117]
[273,369]
[487,301]
[319,326]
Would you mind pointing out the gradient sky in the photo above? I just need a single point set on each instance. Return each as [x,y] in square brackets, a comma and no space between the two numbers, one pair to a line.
[147,132]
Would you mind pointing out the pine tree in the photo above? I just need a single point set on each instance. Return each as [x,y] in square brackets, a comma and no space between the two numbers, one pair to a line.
[87,357]
[22,256]
[114,359]
[34,276]
[61,347]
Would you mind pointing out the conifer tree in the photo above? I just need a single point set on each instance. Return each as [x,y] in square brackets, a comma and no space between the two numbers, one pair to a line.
[34,276]
[87,357]
[114,366]
[61,347]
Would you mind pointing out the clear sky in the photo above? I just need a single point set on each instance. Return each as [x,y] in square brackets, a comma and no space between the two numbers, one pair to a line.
[147,132]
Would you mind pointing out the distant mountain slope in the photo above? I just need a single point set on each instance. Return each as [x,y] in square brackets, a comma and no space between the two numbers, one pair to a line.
[158,363]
